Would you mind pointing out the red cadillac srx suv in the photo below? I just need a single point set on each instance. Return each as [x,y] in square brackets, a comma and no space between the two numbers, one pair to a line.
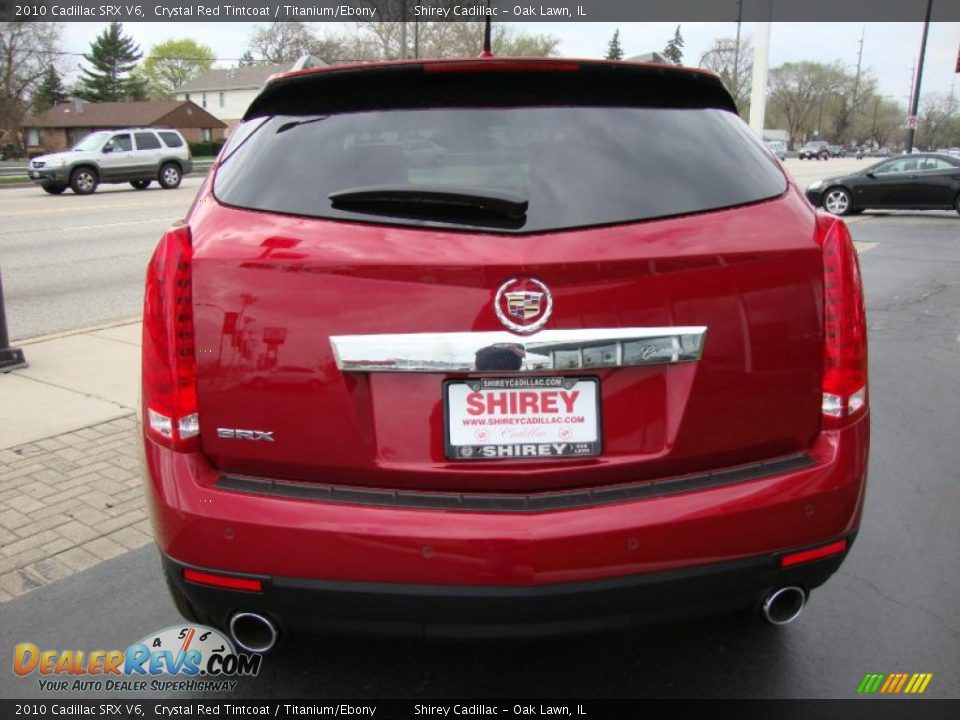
[500,347]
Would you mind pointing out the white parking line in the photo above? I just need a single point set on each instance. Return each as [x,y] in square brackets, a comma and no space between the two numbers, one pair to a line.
[862,247]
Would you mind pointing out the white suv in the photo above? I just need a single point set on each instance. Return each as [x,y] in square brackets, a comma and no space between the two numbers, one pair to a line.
[137,155]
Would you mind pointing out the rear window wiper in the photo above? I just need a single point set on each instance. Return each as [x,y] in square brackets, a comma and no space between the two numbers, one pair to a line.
[482,206]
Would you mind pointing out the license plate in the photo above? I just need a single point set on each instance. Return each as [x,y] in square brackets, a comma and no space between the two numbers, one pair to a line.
[522,418]
[34,175]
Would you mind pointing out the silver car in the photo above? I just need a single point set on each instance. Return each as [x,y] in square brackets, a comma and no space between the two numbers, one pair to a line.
[137,156]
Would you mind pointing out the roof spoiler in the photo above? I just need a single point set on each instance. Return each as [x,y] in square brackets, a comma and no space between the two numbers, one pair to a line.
[493,82]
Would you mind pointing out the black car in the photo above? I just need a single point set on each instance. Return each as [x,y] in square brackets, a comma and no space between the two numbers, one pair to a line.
[814,150]
[924,181]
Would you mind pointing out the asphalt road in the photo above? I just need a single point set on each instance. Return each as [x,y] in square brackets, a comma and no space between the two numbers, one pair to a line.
[70,262]
[893,607]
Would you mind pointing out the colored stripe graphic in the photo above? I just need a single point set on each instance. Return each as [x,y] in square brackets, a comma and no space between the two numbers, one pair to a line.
[894,683]
[903,679]
[871,683]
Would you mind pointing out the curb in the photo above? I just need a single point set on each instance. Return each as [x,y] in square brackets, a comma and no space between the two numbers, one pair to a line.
[79,331]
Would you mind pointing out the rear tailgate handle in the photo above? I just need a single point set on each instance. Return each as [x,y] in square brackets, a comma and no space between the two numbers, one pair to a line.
[546,350]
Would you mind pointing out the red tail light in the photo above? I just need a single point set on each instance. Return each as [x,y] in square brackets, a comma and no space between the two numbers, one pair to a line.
[169,366]
[845,325]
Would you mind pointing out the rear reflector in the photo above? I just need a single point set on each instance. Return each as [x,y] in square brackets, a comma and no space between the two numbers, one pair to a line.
[814,554]
[225,581]
[844,325]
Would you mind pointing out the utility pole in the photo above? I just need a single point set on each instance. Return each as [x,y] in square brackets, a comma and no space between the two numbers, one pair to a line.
[856,82]
[403,29]
[855,101]
[11,358]
[915,99]
[736,53]
[913,80]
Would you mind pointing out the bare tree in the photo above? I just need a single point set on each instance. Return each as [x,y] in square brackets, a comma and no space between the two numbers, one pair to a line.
[937,112]
[881,120]
[282,41]
[383,40]
[852,100]
[27,49]
[734,68]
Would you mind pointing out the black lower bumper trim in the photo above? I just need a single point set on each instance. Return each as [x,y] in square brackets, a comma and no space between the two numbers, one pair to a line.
[536,502]
[460,611]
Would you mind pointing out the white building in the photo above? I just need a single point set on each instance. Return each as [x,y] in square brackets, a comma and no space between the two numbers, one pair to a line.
[226,93]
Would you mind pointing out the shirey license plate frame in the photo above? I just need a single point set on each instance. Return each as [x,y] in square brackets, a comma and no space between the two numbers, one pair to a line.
[533,449]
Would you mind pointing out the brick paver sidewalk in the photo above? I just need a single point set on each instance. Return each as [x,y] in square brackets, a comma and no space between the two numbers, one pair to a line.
[68,503]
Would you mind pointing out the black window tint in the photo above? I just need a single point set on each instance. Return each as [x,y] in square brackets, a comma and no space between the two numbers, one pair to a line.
[146,141]
[577,166]
[171,139]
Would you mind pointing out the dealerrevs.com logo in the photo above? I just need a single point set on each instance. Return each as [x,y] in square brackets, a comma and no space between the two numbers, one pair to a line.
[178,658]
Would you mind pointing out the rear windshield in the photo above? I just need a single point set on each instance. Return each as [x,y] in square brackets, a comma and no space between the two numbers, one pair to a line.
[575,166]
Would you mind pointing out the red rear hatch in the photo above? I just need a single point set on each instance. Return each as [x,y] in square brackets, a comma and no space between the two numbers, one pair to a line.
[661,232]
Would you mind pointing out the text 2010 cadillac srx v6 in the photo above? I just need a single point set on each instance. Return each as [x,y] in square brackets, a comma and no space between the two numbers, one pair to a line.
[593,361]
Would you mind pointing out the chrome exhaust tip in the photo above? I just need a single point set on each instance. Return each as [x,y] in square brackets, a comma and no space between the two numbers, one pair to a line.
[252,632]
[784,605]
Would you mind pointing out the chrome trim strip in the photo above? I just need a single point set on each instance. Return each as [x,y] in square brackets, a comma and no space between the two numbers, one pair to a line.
[547,350]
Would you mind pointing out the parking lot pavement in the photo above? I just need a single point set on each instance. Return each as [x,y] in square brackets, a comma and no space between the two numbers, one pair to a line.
[805,172]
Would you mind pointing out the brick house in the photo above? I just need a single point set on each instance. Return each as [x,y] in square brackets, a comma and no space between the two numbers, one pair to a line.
[64,125]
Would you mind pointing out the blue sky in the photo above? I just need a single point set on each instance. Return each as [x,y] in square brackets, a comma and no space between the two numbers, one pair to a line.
[890,49]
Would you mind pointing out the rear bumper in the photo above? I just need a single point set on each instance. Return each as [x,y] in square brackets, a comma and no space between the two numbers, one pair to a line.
[640,556]
[468,611]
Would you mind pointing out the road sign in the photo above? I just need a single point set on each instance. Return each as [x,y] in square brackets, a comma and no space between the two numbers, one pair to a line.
[913,122]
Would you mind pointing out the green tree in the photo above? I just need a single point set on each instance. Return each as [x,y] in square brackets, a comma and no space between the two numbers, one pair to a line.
[674,48]
[614,51]
[172,63]
[246,59]
[801,94]
[112,57]
[49,91]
